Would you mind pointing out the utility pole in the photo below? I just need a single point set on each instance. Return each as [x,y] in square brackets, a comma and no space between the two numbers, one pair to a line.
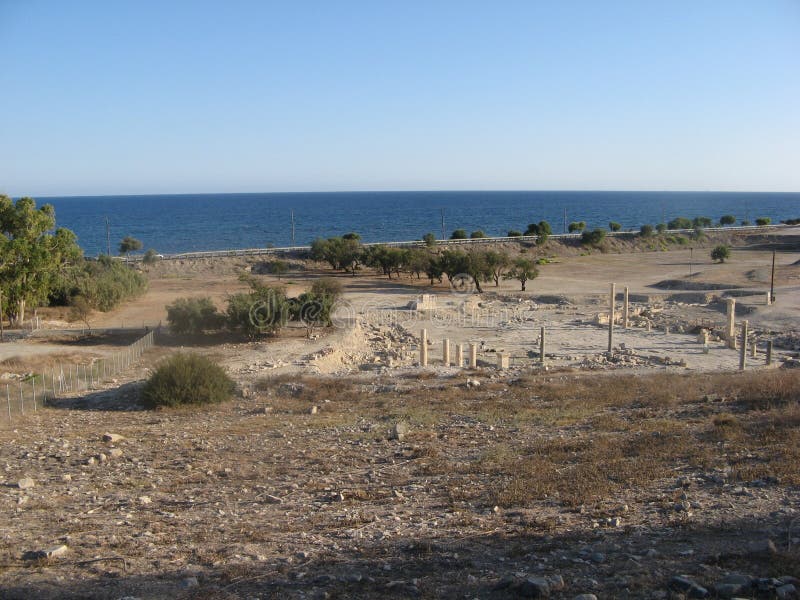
[292,227]
[691,260]
[108,238]
[444,234]
[2,338]
[565,220]
[772,280]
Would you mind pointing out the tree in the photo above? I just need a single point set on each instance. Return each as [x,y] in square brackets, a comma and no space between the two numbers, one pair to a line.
[193,316]
[352,236]
[417,261]
[576,226]
[496,264]
[80,310]
[727,220]
[522,270]
[32,259]
[680,223]
[429,239]
[341,254]
[262,311]
[129,244]
[514,233]
[702,222]
[661,227]
[720,253]
[614,226]
[477,234]
[593,237]
[150,257]
[459,234]
[541,230]
[763,221]
[646,231]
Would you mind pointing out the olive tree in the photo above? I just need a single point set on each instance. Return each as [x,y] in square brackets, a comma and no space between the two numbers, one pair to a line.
[523,270]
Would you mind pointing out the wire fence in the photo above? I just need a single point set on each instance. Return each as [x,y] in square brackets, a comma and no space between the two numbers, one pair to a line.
[34,391]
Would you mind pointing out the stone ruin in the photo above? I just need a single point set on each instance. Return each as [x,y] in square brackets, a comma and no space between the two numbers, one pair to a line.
[423,302]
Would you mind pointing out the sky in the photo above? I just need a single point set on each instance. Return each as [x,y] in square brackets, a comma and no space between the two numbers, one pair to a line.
[145,97]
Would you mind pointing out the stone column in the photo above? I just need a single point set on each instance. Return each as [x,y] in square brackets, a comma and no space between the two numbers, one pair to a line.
[611,317]
[502,361]
[753,349]
[769,299]
[625,310]
[473,356]
[743,349]
[460,355]
[730,330]
[446,352]
[423,348]
[541,346]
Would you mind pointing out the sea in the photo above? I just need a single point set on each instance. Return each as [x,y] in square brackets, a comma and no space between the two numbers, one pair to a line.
[194,222]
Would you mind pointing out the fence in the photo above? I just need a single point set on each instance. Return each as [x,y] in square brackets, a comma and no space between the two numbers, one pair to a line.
[32,392]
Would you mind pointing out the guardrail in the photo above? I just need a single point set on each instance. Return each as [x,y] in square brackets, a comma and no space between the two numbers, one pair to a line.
[418,243]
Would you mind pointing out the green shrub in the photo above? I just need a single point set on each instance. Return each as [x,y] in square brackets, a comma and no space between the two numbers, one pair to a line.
[576,226]
[614,226]
[763,221]
[477,234]
[459,234]
[646,231]
[727,220]
[193,316]
[720,253]
[514,233]
[593,237]
[661,227]
[429,239]
[103,283]
[702,222]
[187,379]
[680,223]
[746,223]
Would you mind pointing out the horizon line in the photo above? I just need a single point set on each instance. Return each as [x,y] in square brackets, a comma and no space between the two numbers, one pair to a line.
[417,191]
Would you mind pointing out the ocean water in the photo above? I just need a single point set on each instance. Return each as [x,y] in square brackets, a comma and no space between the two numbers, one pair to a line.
[192,222]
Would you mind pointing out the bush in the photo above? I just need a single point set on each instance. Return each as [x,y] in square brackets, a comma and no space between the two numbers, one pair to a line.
[193,316]
[661,227]
[514,233]
[594,237]
[103,283]
[459,234]
[700,222]
[746,223]
[541,230]
[614,226]
[477,234]
[646,231]
[576,226]
[791,222]
[763,221]
[187,379]
[429,239]
[720,253]
[727,220]
[680,223]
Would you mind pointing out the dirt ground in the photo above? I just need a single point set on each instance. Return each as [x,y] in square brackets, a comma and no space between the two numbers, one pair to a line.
[593,473]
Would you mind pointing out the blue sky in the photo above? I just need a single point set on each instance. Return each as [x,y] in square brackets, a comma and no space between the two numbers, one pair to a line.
[160,97]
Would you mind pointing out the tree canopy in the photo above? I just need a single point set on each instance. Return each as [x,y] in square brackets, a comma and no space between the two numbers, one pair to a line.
[33,254]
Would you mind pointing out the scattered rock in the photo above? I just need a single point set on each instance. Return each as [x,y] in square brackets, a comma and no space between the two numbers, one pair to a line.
[585,597]
[313,410]
[115,453]
[786,591]
[112,437]
[53,552]
[26,483]
[534,587]
[399,431]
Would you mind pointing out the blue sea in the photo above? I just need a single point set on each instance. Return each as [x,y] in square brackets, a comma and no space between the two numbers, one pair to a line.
[192,222]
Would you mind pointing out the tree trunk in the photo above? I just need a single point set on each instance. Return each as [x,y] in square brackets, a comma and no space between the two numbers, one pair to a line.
[20,316]
[523,285]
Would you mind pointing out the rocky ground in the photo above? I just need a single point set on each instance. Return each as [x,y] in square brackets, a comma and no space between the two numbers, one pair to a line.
[535,485]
